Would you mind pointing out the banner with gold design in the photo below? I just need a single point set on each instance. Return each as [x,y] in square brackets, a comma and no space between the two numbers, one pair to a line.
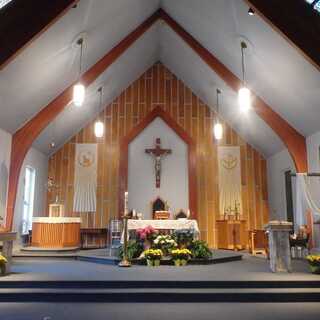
[85,178]
[229,180]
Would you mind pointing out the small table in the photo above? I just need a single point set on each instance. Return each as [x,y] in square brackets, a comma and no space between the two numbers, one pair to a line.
[7,238]
[179,224]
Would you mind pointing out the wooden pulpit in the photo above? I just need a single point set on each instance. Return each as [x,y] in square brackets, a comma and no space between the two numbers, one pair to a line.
[232,234]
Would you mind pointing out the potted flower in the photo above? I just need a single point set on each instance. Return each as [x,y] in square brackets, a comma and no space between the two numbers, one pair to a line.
[165,243]
[3,262]
[180,257]
[184,237]
[314,263]
[200,250]
[146,235]
[153,257]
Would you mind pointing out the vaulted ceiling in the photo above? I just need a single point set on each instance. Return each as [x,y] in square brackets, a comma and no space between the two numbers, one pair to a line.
[276,71]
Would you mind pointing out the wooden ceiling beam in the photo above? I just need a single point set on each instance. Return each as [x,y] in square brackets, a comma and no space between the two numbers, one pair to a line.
[294,141]
[22,140]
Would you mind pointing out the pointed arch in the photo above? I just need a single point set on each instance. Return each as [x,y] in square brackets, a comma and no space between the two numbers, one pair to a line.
[158,112]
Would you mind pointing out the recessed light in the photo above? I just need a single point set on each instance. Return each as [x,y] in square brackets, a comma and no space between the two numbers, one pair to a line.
[251,12]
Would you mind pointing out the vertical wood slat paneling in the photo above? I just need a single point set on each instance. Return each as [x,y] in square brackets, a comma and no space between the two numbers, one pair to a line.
[160,87]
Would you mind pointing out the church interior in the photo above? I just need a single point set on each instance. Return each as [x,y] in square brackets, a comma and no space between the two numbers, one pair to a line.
[159,158]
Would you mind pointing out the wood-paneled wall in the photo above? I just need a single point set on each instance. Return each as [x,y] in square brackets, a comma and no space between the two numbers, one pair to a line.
[159,87]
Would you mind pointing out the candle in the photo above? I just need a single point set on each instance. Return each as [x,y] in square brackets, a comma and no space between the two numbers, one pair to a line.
[126,203]
[188,214]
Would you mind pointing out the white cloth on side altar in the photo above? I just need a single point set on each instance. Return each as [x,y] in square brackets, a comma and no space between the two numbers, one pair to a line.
[179,224]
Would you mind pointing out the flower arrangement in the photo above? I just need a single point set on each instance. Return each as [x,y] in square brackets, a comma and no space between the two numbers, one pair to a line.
[314,263]
[153,257]
[3,262]
[183,237]
[165,243]
[181,256]
[147,233]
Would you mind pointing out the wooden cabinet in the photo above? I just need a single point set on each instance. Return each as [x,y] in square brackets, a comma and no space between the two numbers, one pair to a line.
[232,234]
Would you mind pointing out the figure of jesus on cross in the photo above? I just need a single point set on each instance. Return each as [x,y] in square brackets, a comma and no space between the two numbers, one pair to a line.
[158,153]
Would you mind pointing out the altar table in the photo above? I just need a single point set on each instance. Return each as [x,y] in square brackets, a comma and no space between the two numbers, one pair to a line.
[180,224]
[56,232]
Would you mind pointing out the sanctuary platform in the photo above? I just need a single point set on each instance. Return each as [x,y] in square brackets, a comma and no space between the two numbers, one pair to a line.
[71,280]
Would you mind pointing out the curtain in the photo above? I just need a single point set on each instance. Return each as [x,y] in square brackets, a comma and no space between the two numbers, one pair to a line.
[307,198]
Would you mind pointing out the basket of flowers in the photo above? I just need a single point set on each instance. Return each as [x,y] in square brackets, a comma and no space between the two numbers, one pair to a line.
[165,243]
[3,262]
[153,257]
[180,257]
[314,263]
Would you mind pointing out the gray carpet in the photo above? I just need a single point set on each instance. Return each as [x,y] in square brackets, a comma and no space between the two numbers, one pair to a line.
[250,268]
[103,311]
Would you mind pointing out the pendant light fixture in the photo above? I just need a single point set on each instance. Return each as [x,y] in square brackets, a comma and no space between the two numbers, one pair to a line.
[52,143]
[244,95]
[79,90]
[99,125]
[217,128]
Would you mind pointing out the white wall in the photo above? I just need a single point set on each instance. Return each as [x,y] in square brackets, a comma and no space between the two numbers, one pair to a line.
[5,152]
[174,177]
[276,166]
[39,162]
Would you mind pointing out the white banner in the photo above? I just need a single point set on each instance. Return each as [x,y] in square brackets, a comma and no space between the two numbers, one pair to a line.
[229,180]
[85,180]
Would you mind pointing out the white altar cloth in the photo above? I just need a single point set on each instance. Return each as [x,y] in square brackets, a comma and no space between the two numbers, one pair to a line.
[164,225]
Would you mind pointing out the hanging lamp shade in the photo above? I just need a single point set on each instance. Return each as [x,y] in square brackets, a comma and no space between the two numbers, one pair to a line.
[244,99]
[79,92]
[218,131]
[99,129]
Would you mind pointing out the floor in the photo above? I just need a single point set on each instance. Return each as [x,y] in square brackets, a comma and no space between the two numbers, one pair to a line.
[173,311]
[250,268]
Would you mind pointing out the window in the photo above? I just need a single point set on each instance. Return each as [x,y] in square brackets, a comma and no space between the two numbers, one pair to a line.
[3,3]
[28,199]
[315,4]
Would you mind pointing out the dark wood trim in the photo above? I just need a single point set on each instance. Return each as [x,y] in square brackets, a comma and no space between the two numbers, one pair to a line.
[294,141]
[14,37]
[22,140]
[158,112]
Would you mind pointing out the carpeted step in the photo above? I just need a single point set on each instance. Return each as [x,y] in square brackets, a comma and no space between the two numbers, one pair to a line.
[143,295]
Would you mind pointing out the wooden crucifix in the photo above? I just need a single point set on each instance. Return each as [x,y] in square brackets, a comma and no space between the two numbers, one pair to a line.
[158,153]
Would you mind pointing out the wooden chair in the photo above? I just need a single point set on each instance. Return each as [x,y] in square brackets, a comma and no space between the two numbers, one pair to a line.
[258,242]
